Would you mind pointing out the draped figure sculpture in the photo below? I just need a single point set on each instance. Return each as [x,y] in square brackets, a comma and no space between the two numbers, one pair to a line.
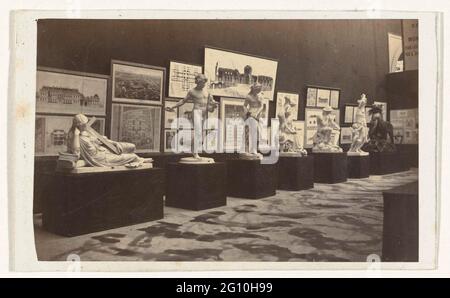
[290,144]
[253,108]
[327,135]
[203,103]
[86,147]
[359,128]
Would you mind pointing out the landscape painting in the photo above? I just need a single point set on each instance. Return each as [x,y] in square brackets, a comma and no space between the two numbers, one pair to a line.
[63,92]
[231,74]
[137,83]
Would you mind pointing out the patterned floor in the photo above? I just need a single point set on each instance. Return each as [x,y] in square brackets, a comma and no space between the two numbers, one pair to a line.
[340,222]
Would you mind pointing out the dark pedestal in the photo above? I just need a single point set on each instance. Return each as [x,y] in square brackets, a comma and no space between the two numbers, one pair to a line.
[250,179]
[382,163]
[295,173]
[330,167]
[401,223]
[358,166]
[196,186]
[78,204]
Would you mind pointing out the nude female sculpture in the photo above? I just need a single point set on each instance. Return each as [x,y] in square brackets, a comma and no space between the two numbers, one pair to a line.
[359,128]
[203,103]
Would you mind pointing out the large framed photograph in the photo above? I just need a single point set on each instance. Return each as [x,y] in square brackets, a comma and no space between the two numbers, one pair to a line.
[232,130]
[51,133]
[231,73]
[140,125]
[137,83]
[61,91]
[289,101]
[182,78]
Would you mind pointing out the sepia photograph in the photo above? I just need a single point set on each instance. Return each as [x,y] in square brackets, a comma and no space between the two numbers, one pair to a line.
[182,78]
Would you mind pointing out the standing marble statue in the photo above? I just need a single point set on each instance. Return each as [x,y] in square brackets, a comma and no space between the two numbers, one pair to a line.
[381,133]
[253,109]
[289,139]
[359,128]
[327,135]
[86,147]
[203,103]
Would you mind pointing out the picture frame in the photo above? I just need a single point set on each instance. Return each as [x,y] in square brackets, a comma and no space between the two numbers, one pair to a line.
[299,127]
[60,91]
[349,114]
[311,97]
[185,116]
[137,83]
[346,135]
[170,118]
[220,67]
[335,98]
[137,124]
[232,124]
[182,77]
[282,98]
[51,133]
[309,137]
[170,140]
[323,98]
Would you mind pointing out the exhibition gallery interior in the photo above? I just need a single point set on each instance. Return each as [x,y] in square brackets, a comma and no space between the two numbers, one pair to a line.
[226,140]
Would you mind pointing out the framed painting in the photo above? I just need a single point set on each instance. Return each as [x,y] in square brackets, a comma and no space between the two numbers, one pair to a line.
[323,98]
[170,140]
[299,127]
[349,112]
[232,124]
[289,101]
[51,133]
[60,91]
[140,125]
[346,135]
[137,83]
[311,97]
[231,74]
[182,78]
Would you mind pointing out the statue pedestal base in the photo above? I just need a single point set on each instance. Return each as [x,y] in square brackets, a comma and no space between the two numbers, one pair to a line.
[330,167]
[358,166]
[382,163]
[295,173]
[251,179]
[83,203]
[196,186]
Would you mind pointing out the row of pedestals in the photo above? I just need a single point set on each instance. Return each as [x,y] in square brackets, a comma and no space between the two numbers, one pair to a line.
[83,203]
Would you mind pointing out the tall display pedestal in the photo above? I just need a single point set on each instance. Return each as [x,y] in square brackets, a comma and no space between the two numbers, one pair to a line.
[401,224]
[358,166]
[251,179]
[196,186]
[382,163]
[83,203]
[330,167]
[295,173]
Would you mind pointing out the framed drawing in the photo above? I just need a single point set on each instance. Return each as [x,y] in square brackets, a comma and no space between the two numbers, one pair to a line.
[137,83]
[170,140]
[311,117]
[299,127]
[68,92]
[287,101]
[231,73]
[311,97]
[170,117]
[182,78]
[51,133]
[140,125]
[349,114]
[323,98]
[346,135]
[232,130]
[334,99]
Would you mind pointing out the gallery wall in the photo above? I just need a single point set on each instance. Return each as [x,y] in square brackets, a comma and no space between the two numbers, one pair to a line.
[350,55]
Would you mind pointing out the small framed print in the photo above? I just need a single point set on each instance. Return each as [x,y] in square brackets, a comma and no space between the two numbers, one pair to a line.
[346,135]
[311,97]
[137,83]
[349,114]
[311,117]
[323,98]
[334,99]
[170,140]
[182,78]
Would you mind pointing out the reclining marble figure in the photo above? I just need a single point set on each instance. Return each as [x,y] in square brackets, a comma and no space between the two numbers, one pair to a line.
[87,148]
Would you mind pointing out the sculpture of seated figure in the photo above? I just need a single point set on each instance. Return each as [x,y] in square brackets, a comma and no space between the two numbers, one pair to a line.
[381,133]
[327,134]
[359,128]
[289,139]
[254,108]
[86,147]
